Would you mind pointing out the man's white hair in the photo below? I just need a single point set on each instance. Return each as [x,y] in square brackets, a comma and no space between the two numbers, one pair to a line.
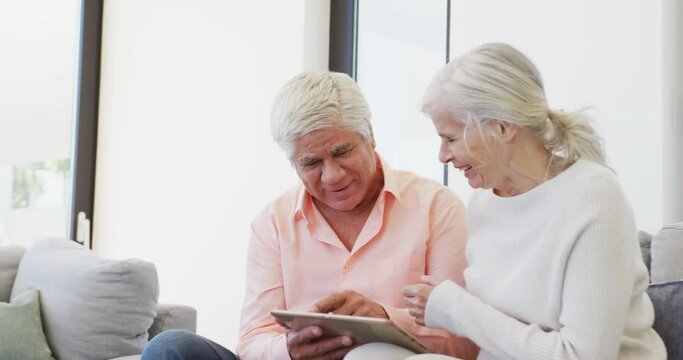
[316,100]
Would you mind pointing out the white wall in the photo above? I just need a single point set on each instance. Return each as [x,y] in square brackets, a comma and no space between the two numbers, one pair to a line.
[185,158]
[606,54]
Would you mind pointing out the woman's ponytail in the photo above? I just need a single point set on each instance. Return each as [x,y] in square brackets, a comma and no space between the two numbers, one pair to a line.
[570,136]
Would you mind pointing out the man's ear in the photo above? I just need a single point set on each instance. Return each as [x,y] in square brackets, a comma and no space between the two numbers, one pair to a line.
[505,131]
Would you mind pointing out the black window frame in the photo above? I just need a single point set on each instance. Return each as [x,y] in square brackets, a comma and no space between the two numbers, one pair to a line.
[84,152]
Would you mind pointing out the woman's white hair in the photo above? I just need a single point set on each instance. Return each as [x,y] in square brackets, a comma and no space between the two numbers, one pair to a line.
[316,100]
[497,82]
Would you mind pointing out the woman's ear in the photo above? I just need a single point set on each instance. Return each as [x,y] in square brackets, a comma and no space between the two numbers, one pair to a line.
[505,131]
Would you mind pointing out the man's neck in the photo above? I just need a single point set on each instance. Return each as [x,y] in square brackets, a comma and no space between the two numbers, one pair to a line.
[348,224]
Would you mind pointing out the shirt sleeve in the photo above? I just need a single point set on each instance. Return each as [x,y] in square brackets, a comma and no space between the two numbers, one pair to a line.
[260,336]
[597,290]
[445,260]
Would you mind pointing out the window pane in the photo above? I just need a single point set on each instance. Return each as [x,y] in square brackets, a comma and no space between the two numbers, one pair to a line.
[38,68]
[401,44]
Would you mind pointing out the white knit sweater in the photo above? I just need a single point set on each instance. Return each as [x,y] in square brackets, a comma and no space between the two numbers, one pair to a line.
[554,273]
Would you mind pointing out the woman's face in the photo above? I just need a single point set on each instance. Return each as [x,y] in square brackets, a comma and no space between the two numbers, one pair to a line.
[475,154]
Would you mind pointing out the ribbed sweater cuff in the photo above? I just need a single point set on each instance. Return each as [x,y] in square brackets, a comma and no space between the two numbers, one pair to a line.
[443,306]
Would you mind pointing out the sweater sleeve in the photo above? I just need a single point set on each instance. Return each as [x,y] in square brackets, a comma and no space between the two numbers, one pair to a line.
[596,293]
[437,340]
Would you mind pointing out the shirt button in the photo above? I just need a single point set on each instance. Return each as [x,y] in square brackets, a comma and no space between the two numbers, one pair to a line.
[347,268]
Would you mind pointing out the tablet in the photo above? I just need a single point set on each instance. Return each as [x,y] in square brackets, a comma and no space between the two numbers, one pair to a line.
[360,328]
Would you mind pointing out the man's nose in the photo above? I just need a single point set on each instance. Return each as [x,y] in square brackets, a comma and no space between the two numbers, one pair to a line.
[332,172]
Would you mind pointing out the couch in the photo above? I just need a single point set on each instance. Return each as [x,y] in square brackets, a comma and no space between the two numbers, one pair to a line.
[88,308]
[663,255]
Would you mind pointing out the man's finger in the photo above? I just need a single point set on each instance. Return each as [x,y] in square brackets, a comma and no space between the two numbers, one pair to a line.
[346,309]
[320,349]
[331,302]
[304,336]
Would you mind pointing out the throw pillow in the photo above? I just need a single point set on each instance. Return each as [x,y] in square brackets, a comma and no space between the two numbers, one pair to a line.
[21,333]
[93,309]
[10,256]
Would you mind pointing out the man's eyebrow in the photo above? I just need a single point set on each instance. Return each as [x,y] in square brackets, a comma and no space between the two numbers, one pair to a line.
[306,160]
[339,150]
[342,149]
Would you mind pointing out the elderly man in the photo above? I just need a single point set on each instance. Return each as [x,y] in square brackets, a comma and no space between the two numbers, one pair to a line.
[345,241]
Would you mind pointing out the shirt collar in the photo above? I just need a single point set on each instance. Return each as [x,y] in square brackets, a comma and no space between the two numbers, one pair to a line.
[305,200]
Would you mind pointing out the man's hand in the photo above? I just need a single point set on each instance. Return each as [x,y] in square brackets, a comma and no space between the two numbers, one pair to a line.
[304,344]
[416,297]
[349,302]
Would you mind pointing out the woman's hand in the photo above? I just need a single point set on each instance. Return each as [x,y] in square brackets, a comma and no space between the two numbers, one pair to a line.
[416,297]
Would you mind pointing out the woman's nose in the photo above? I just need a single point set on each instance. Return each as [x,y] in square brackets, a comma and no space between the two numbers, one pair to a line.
[444,154]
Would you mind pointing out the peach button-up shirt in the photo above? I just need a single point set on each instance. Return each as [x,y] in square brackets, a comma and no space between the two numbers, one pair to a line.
[416,227]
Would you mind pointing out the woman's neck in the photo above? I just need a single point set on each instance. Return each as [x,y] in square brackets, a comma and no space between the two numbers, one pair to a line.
[530,165]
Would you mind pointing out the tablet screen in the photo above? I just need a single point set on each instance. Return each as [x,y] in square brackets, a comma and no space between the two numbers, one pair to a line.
[361,329]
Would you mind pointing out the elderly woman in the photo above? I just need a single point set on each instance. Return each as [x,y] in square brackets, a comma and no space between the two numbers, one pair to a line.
[555,270]
[346,240]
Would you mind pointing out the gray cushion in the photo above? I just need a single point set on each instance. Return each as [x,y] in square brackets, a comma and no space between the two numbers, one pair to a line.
[666,252]
[667,299]
[10,256]
[92,309]
[21,333]
[645,240]
[174,317]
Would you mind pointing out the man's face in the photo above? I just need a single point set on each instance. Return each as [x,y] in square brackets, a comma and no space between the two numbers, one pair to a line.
[337,166]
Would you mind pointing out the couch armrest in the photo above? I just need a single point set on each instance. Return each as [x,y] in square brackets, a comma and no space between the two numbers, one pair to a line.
[173,317]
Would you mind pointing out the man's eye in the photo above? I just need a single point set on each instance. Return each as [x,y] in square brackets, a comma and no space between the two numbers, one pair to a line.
[342,152]
[310,163]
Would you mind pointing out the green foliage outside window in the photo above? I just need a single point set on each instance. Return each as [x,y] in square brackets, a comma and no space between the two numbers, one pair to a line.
[28,181]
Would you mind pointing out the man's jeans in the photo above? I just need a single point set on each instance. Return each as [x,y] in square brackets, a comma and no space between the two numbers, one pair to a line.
[184,345]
